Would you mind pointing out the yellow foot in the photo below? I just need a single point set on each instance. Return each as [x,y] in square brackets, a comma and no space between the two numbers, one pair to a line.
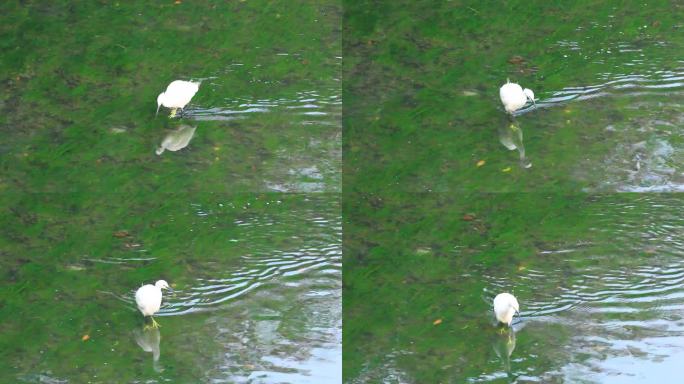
[153,325]
[173,113]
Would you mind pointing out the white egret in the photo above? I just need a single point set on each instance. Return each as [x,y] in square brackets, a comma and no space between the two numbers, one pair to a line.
[514,97]
[505,306]
[177,95]
[177,140]
[149,297]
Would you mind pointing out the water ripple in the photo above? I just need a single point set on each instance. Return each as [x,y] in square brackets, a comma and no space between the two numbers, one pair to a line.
[315,258]
[638,84]
[325,109]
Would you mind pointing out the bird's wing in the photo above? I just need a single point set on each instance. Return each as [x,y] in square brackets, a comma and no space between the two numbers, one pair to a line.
[138,297]
[183,87]
[175,85]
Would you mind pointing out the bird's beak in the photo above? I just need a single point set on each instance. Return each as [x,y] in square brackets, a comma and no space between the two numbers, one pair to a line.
[158,105]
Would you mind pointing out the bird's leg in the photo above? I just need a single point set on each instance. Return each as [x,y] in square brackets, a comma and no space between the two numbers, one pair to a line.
[152,324]
[182,112]
[173,113]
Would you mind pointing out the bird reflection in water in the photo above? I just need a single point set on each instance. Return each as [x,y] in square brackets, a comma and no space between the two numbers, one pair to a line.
[148,339]
[511,136]
[177,140]
[504,344]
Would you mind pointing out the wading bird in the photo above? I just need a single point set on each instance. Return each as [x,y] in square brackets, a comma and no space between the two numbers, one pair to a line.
[514,97]
[177,95]
[505,307]
[149,297]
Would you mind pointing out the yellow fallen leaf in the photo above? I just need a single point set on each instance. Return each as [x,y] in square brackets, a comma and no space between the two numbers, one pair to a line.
[480,163]
[85,337]
[507,169]
[437,322]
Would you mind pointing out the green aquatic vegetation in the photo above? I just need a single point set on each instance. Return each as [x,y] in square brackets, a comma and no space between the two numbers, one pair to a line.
[89,212]
[422,82]
[412,258]
[69,91]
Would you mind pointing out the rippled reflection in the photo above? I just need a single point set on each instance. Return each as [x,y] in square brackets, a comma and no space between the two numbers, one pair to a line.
[177,140]
[511,137]
[148,339]
[503,344]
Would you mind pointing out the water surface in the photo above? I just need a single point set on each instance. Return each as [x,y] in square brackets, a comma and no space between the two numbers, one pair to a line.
[240,212]
[449,201]
[423,106]
[256,299]
[599,280]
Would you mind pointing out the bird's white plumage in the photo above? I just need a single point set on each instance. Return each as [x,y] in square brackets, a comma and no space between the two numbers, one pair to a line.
[514,97]
[177,139]
[149,297]
[530,95]
[505,307]
[178,94]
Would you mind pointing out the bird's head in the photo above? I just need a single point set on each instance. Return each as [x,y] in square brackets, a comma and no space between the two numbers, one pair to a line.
[160,100]
[529,94]
[516,307]
[162,284]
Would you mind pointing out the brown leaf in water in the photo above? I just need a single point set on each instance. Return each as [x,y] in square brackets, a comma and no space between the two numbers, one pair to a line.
[437,322]
[468,217]
[85,337]
[517,60]
[120,234]
[480,163]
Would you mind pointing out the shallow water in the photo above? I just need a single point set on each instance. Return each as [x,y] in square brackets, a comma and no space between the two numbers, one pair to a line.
[240,212]
[448,201]
[598,279]
[423,108]
[254,298]
[267,113]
